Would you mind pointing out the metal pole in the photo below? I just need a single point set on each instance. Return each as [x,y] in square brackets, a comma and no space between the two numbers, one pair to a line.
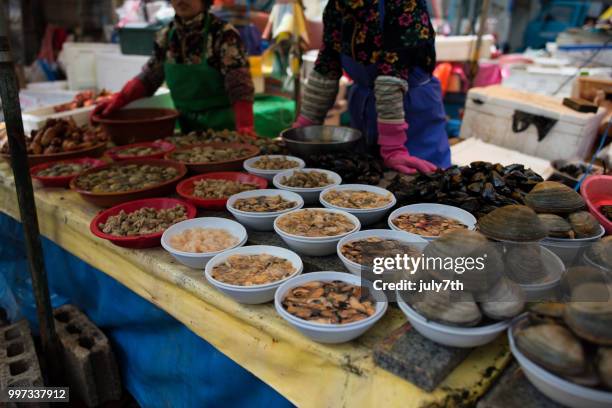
[9,92]
[476,52]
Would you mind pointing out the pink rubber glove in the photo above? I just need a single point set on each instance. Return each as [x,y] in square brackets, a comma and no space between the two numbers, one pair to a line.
[392,139]
[243,113]
[134,89]
[302,121]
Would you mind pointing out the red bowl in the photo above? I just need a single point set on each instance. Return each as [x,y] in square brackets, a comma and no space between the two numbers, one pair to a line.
[135,125]
[137,241]
[36,159]
[62,181]
[112,199]
[165,147]
[218,166]
[185,188]
[597,191]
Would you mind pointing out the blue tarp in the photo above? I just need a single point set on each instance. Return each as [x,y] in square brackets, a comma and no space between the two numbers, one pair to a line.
[163,364]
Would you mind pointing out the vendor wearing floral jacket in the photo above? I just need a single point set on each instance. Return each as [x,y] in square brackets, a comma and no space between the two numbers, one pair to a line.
[203,62]
[387,48]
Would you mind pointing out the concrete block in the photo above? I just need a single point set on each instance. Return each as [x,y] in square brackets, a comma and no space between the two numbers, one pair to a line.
[513,389]
[18,360]
[89,363]
[412,357]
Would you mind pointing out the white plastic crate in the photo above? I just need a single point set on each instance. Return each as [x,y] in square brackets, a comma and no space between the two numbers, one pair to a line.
[114,70]
[489,116]
[461,47]
[79,60]
[36,118]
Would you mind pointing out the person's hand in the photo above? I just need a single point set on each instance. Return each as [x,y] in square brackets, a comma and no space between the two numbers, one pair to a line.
[134,89]
[392,139]
[402,162]
[302,121]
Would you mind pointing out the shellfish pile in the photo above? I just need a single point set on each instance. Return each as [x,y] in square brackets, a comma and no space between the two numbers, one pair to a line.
[572,340]
[478,188]
[266,146]
[560,210]
[487,294]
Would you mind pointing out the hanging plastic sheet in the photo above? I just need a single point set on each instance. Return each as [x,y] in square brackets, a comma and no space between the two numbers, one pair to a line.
[163,364]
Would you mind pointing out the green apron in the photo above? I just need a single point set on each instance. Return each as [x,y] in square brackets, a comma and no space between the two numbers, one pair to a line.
[198,93]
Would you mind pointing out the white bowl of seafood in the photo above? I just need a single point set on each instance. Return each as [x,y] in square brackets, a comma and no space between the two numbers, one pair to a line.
[457,305]
[258,209]
[307,182]
[195,242]
[430,220]
[368,203]
[315,231]
[565,350]
[357,250]
[268,166]
[330,307]
[251,274]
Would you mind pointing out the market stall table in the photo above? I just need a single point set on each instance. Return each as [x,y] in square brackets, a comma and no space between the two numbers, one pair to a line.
[255,337]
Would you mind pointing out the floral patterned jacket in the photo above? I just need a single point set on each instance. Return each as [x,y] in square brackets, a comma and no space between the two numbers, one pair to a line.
[225,52]
[352,27]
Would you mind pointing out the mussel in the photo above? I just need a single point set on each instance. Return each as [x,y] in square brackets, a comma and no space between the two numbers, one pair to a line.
[589,314]
[553,347]
[515,223]
[553,197]
[584,224]
[440,307]
[557,226]
[466,244]
[505,300]
[604,366]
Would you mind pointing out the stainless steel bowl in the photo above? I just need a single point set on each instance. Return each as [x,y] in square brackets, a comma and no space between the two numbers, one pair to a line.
[310,140]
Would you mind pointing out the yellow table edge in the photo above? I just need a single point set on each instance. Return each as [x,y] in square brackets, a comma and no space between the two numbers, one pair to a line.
[306,373]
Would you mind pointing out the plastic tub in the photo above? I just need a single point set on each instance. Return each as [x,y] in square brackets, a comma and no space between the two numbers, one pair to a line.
[597,191]
[137,241]
[367,216]
[437,209]
[263,221]
[269,174]
[62,181]
[310,195]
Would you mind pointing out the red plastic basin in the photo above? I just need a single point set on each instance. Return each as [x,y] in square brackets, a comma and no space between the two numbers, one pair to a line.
[137,241]
[185,187]
[62,181]
[597,191]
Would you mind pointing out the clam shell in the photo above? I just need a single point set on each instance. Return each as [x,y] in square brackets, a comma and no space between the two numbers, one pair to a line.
[557,226]
[579,275]
[553,197]
[439,307]
[604,366]
[584,224]
[553,347]
[589,314]
[548,309]
[506,300]
[524,264]
[466,244]
[515,223]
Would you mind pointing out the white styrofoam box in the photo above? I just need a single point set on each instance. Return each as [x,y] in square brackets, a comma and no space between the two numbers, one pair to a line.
[36,118]
[31,100]
[461,47]
[489,115]
[114,70]
[47,86]
[546,80]
[79,62]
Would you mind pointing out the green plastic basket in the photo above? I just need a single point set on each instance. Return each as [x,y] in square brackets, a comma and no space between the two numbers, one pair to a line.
[138,40]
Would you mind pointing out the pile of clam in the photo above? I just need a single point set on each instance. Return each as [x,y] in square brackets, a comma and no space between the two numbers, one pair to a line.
[572,340]
[560,209]
[487,294]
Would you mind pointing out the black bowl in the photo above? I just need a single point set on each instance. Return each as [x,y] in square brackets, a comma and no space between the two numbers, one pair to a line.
[310,140]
